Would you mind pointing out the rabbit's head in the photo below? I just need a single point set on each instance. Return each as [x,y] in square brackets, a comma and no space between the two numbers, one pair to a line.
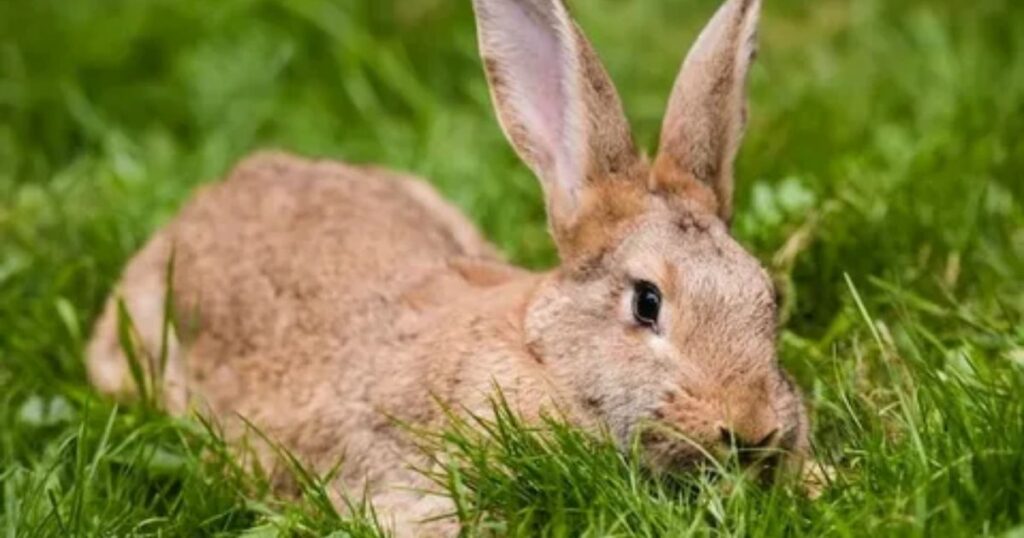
[661,325]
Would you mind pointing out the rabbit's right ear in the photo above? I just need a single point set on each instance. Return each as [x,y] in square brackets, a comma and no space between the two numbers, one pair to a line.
[555,102]
[708,108]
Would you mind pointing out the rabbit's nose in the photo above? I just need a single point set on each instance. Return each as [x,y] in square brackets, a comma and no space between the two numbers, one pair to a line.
[758,429]
[750,447]
[731,438]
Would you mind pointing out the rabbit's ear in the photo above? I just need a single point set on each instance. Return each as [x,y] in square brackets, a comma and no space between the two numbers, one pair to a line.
[554,101]
[707,111]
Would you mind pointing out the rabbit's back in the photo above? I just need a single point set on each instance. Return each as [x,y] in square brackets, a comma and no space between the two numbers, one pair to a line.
[287,244]
[285,273]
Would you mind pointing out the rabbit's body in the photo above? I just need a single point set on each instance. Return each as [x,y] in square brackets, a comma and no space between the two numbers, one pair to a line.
[328,304]
[362,301]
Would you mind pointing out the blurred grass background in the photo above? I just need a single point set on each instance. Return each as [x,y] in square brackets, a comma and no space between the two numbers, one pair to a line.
[881,182]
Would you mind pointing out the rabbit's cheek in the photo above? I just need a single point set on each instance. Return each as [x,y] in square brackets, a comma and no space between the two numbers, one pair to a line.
[678,366]
[664,352]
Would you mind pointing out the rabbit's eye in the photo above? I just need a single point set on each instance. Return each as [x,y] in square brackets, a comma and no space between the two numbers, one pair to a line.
[646,303]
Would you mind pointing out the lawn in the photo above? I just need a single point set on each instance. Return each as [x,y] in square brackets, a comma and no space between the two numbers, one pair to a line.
[882,183]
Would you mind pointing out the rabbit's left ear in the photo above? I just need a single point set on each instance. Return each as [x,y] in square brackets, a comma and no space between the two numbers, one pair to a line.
[555,102]
[707,111]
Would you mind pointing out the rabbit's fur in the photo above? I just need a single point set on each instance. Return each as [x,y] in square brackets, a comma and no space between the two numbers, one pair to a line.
[325,302]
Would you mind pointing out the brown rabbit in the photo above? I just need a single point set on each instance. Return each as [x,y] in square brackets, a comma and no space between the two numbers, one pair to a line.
[325,300]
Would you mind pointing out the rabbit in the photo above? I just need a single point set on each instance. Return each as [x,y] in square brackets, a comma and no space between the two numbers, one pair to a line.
[327,302]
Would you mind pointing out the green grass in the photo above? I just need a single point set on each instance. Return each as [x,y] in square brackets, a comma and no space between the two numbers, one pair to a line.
[881,181]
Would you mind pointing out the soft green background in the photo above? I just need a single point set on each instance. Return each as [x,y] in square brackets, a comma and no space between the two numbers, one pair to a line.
[883,163]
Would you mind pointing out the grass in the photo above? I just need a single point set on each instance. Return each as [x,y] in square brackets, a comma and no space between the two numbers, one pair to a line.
[881,181]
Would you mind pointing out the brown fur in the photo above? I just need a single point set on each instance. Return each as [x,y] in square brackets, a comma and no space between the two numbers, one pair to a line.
[323,301]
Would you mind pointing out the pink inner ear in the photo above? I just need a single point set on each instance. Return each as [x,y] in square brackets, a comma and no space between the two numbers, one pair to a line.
[531,56]
[534,64]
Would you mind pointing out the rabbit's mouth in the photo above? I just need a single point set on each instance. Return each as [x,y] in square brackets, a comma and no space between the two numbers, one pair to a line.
[666,449]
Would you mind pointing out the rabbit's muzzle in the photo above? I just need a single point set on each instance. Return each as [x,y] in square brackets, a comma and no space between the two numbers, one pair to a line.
[689,430]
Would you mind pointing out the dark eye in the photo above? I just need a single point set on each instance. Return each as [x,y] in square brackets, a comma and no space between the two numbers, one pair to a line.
[646,303]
